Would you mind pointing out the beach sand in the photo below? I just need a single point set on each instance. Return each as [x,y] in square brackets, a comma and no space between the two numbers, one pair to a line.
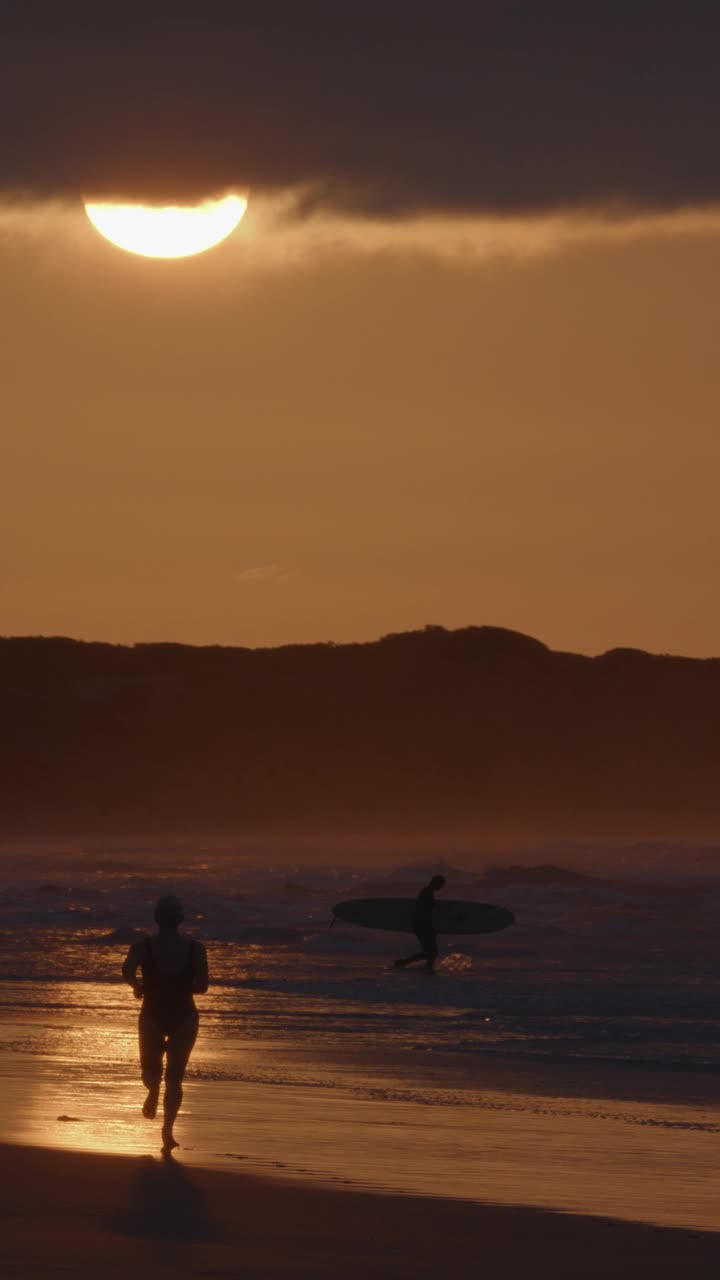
[67,1213]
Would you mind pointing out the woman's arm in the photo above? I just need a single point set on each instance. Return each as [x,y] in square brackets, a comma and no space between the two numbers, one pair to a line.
[130,968]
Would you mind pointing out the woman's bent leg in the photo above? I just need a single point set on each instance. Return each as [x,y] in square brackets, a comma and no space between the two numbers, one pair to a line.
[152,1047]
[179,1047]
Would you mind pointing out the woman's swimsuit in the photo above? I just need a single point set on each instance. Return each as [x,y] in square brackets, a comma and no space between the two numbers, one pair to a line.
[167,997]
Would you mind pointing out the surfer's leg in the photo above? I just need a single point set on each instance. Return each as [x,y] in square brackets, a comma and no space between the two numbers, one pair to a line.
[428,942]
[152,1047]
[431,950]
[419,955]
[179,1048]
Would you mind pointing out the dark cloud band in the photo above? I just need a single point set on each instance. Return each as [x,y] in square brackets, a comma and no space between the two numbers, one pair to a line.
[389,109]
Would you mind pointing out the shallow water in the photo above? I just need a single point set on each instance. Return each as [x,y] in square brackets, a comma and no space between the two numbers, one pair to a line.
[609,971]
[569,1062]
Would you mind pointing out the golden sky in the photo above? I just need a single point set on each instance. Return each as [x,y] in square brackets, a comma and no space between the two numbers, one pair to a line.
[333,430]
[457,365]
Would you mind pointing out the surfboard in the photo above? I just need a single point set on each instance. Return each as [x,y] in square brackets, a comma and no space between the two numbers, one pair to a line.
[398,914]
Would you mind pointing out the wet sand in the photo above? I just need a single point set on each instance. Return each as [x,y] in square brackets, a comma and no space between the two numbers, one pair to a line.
[81,1215]
[581,1151]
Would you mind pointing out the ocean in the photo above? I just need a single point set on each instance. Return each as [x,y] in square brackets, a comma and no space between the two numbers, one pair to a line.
[570,1061]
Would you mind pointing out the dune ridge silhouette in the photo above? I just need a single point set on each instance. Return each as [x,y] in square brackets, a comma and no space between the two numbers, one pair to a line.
[479,726]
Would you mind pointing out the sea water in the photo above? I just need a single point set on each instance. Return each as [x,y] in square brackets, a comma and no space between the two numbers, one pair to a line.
[569,1062]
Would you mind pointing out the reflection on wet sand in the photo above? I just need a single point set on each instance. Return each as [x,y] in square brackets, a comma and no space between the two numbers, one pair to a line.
[72,1082]
[66,1072]
[46,1109]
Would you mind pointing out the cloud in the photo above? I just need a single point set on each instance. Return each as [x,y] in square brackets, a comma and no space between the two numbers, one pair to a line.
[374,110]
[271,573]
[460,239]
[269,240]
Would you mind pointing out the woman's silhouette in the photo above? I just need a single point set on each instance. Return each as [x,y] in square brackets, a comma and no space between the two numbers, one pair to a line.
[174,968]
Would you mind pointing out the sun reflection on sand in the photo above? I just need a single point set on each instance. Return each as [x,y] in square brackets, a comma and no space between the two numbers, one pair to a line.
[69,1079]
[71,1076]
[103,1119]
[71,1086]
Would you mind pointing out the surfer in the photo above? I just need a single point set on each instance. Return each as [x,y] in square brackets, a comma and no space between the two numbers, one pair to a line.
[423,925]
[174,968]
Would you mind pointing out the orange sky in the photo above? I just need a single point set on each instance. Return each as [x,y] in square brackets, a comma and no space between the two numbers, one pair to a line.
[335,434]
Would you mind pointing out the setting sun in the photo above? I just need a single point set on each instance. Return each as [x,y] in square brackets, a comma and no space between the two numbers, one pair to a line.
[172,231]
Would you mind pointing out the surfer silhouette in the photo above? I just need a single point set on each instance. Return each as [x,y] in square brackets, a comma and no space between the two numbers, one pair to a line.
[174,968]
[423,925]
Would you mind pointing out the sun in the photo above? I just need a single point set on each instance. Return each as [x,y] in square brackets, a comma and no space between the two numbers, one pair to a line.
[167,231]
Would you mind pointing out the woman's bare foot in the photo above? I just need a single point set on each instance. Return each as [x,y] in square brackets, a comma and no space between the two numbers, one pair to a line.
[169,1143]
[150,1105]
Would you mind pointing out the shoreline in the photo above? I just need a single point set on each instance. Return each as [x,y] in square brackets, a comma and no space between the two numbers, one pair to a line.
[85,1214]
[543,1076]
[624,1144]
[500,1068]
